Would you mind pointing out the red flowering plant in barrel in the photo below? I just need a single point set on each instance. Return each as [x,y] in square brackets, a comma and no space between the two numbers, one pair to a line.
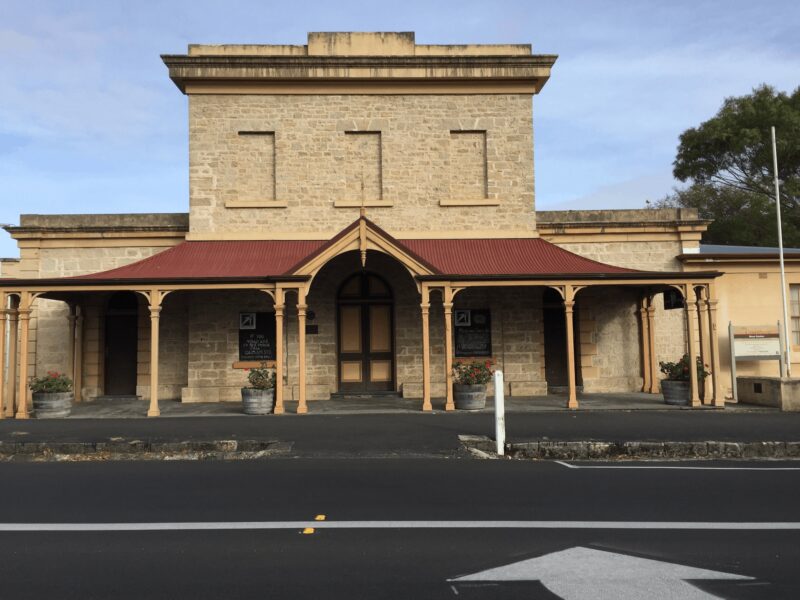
[473,372]
[52,382]
[679,371]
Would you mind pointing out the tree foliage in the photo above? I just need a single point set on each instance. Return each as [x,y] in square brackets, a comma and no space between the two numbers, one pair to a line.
[727,162]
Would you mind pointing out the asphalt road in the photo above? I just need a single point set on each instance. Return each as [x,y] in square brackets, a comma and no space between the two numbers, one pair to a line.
[389,529]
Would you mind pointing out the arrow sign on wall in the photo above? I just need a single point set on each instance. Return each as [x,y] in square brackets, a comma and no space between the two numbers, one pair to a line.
[583,573]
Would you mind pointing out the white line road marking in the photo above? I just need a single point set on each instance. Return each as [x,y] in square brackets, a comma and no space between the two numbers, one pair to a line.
[280,525]
[675,467]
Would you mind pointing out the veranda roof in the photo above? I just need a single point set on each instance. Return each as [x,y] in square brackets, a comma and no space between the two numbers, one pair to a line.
[265,260]
[268,259]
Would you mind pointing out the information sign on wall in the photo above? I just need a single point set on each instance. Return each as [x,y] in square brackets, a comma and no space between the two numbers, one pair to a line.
[473,332]
[256,336]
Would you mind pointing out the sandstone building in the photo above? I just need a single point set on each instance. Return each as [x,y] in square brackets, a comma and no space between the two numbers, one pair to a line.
[361,214]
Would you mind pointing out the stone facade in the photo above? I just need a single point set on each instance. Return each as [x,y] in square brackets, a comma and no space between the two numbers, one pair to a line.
[418,162]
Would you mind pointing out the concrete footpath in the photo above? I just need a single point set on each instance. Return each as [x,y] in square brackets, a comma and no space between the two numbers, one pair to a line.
[554,435]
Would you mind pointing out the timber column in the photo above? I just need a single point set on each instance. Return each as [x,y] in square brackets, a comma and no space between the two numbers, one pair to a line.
[716,382]
[77,375]
[448,348]
[24,313]
[72,318]
[651,340]
[702,330]
[569,307]
[302,408]
[645,329]
[279,306]
[690,312]
[426,350]
[11,386]
[3,311]
[155,314]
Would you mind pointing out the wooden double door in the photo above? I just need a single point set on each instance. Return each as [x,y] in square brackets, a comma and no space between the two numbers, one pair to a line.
[365,309]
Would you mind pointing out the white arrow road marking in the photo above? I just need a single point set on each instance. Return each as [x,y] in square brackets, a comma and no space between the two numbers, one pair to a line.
[277,525]
[675,467]
[583,574]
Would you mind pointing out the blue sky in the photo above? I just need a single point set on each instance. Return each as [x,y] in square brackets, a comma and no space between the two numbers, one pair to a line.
[89,121]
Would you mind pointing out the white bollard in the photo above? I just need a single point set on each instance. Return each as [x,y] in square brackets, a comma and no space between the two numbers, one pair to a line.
[499,413]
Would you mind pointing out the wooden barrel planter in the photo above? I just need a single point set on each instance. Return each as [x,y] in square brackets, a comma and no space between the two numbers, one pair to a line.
[52,405]
[258,401]
[469,397]
[676,393]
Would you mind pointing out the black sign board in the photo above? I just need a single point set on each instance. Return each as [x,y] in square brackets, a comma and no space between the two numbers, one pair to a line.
[257,336]
[473,332]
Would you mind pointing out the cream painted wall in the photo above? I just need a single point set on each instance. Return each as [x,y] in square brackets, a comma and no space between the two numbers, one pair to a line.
[749,294]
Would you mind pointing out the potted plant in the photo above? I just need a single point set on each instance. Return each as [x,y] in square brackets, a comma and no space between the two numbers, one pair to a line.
[259,397]
[676,387]
[469,384]
[52,395]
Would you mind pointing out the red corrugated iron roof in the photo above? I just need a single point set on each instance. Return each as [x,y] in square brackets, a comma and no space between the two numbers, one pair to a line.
[275,258]
[212,260]
[526,256]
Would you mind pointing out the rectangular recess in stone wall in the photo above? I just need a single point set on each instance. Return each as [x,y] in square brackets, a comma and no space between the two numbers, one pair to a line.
[254,158]
[363,172]
[468,177]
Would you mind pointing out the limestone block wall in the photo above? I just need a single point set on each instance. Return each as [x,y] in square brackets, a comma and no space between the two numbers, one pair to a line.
[49,328]
[670,332]
[213,343]
[411,164]
[610,340]
[517,337]
[173,347]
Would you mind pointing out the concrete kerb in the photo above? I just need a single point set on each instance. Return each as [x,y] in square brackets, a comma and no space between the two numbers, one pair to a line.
[121,449]
[596,450]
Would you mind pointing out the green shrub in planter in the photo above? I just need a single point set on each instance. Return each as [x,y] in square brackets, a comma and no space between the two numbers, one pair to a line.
[259,397]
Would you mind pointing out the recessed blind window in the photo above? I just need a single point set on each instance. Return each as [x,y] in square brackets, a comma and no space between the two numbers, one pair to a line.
[363,167]
[468,165]
[254,165]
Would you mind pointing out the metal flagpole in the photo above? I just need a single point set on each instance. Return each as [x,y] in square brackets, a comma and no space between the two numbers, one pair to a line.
[787,357]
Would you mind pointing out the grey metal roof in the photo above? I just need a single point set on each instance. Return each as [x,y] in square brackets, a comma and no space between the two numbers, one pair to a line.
[721,249]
